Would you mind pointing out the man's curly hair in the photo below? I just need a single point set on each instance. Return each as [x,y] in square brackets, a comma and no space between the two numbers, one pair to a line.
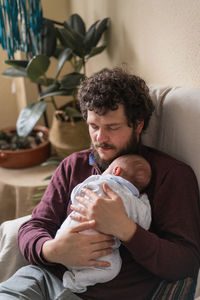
[108,88]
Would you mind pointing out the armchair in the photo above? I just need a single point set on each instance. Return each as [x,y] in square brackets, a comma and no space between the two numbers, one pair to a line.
[174,128]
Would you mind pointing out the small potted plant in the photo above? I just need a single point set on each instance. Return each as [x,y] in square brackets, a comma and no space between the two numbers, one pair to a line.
[68,42]
[21,152]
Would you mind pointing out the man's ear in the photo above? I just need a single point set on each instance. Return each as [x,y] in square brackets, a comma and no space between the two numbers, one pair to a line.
[116,171]
[140,125]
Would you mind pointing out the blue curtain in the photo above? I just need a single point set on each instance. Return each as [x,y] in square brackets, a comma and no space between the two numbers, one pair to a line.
[20,26]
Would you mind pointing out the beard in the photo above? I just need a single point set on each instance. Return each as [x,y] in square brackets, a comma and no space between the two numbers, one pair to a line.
[130,148]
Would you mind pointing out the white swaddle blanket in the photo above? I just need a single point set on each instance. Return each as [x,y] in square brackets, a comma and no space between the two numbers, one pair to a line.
[138,209]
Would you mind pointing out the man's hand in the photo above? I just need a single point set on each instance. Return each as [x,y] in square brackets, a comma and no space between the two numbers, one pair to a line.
[109,213]
[74,248]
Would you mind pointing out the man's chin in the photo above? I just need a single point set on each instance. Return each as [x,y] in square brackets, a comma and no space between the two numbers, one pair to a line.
[102,160]
[106,155]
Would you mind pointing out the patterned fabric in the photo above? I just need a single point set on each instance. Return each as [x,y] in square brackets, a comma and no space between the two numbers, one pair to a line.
[178,290]
[21,23]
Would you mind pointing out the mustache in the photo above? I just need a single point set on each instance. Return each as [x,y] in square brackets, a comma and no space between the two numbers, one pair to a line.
[104,145]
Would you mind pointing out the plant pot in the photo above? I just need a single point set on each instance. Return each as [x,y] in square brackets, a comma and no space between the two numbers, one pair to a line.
[17,159]
[67,138]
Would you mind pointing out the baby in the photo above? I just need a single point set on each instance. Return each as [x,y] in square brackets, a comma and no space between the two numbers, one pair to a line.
[127,175]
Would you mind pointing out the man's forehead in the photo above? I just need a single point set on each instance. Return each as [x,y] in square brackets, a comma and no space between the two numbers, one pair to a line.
[112,116]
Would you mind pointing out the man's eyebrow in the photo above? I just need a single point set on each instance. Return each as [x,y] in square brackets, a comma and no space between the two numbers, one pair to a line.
[108,124]
[113,124]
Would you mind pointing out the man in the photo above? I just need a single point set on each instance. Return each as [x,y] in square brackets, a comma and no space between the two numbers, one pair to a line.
[117,107]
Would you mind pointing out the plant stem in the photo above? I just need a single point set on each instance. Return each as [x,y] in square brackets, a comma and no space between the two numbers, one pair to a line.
[52,98]
[74,101]
[84,66]
[54,103]
[44,113]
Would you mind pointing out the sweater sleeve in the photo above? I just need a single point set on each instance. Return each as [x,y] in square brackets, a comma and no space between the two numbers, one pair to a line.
[171,249]
[46,217]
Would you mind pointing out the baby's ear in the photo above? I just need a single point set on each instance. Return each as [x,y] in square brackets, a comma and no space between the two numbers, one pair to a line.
[116,171]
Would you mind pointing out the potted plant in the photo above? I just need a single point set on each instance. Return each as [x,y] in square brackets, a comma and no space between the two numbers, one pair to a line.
[21,152]
[69,42]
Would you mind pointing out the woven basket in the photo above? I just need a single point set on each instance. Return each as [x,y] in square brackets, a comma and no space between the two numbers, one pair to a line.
[67,138]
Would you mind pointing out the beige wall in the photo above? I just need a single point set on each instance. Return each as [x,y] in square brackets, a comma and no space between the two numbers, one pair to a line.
[158,39]
[8,104]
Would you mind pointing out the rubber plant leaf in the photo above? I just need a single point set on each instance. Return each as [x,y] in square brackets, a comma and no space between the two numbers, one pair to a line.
[38,66]
[102,26]
[77,23]
[49,38]
[71,39]
[50,163]
[29,116]
[61,92]
[64,56]
[78,37]
[72,80]
[15,72]
[44,81]
[97,50]
[59,49]
[51,88]
[17,63]
[78,64]
[89,38]
[64,38]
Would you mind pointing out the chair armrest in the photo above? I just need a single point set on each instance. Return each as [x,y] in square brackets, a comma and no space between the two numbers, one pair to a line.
[11,258]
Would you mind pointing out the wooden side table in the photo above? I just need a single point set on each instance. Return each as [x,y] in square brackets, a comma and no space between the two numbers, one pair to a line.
[17,187]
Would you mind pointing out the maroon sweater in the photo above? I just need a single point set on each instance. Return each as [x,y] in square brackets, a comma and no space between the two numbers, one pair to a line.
[169,250]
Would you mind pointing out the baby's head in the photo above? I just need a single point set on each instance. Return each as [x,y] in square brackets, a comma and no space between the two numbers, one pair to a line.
[133,168]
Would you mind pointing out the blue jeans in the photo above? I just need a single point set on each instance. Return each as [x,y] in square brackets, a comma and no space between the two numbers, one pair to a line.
[34,283]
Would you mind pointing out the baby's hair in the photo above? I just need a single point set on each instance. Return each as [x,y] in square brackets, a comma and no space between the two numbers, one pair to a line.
[136,169]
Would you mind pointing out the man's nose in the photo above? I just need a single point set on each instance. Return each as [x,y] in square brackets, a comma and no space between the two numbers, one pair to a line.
[102,136]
